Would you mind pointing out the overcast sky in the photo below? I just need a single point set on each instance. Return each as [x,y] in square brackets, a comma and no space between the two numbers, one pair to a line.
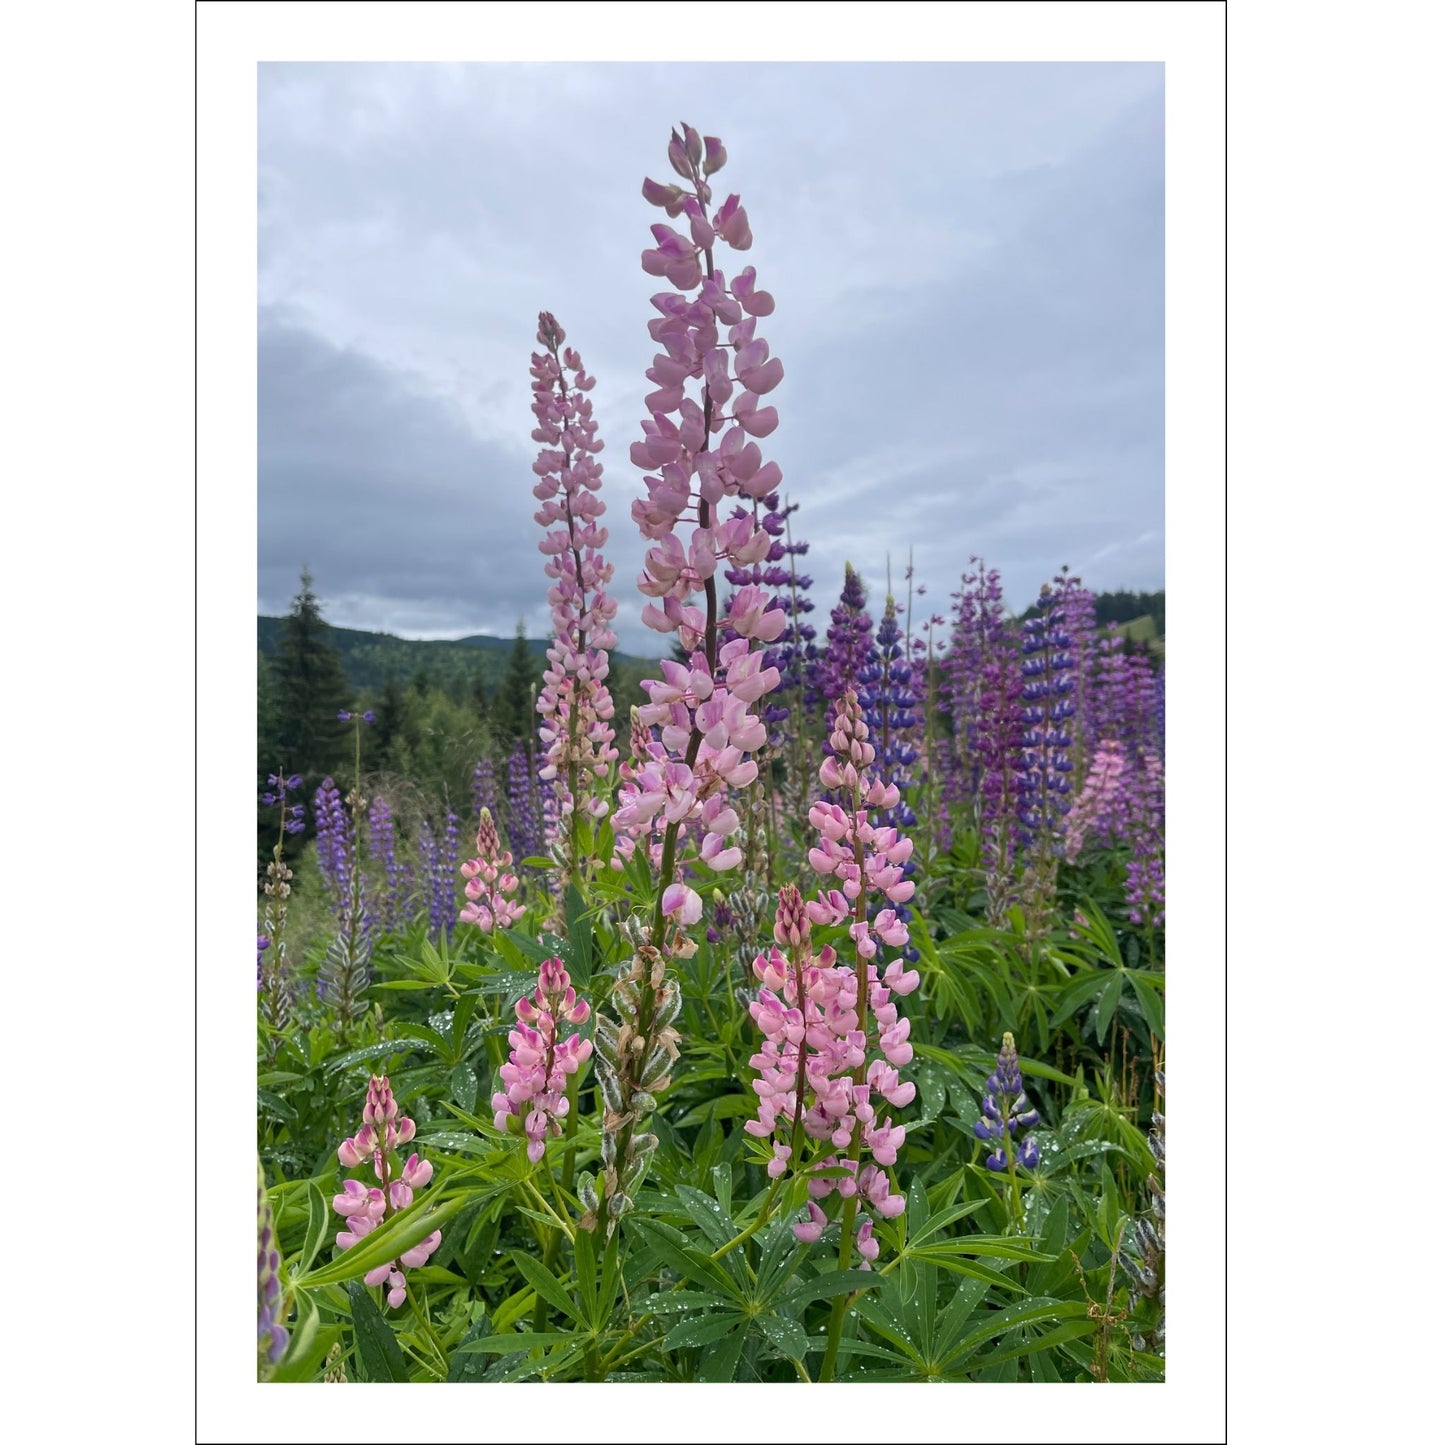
[968,265]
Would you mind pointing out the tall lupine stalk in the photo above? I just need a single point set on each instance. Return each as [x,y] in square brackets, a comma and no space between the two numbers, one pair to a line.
[701,706]
[440,865]
[1044,763]
[890,704]
[980,788]
[485,793]
[983,696]
[1144,885]
[1101,812]
[575,705]
[867,860]
[1077,619]
[273,979]
[346,965]
[526,804]
[795,658]
[850,642]
[890,708]
[395,900]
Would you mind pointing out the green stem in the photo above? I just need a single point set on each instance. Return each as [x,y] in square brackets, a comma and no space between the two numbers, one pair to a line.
[756,1225]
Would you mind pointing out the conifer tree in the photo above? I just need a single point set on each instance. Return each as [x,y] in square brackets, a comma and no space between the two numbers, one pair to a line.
[513,707]
[310,688]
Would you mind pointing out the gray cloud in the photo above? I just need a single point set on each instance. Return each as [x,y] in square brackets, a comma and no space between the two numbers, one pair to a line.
[968,265]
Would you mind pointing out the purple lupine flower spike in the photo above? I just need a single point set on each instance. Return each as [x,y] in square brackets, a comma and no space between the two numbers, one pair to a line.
[272,1337]
[1007,1112]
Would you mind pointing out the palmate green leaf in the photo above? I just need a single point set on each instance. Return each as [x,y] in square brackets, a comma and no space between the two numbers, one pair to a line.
[385,1243]
[675,1301]
[1023,1313]
[958,1264]
[584,1268]
[512,1343]
[275,1105]
[708,1215]
[997,1246]
[690,1263]
[827,1286]
[703,1330]
[463,1085]
[1146,988]
[720,1365]
[787,1335]
[464,1366]
[884,1323]
[545,1283]
[943,1219]
[370,1051]
[1108,1003]
[376,1347]
[1069,1330]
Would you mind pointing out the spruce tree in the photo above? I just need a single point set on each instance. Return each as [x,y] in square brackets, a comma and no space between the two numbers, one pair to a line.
[310,688]
[480,704]
[513,707]
[391,720]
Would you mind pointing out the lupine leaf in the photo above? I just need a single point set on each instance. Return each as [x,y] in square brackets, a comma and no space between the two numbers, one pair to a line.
[546,1284]
[376,1347]
[701,1331]
[385,1243]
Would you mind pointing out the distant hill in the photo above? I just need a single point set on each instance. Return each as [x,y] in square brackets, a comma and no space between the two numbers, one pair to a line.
[367,657]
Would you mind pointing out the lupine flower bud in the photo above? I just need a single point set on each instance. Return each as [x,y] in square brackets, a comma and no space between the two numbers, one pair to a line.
[490,881]
[1006,1111]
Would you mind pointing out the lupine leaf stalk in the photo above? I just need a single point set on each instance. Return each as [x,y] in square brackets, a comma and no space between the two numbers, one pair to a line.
[575,704]
[273,979]
[701,706]
[384,1129]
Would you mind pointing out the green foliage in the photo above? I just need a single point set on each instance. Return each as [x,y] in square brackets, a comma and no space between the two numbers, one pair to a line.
[985,1276]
